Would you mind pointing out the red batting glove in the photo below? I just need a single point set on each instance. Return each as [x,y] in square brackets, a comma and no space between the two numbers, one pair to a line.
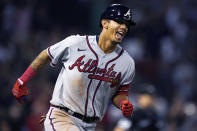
[127,108]
[20,91]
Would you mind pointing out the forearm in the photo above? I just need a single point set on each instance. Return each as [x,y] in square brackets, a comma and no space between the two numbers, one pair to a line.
[118,99]
[20,90]
[40,61]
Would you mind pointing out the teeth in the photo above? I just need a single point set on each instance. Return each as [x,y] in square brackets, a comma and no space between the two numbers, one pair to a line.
[121,33]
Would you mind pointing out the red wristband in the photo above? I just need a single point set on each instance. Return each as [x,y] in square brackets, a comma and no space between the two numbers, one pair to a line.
[28,74]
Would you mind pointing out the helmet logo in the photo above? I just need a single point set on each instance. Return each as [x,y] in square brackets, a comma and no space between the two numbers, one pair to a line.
[128,14]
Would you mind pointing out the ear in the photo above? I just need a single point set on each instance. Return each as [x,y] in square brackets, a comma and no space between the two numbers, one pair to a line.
[105,23]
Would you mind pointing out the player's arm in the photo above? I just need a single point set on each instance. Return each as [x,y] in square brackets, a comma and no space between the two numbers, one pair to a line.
[118,99]
[19,90]
[121,101]
[40,61]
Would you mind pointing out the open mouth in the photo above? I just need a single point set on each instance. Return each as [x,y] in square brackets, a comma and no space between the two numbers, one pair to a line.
[120,35]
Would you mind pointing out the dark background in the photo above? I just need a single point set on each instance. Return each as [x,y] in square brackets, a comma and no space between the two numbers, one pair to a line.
[163,45]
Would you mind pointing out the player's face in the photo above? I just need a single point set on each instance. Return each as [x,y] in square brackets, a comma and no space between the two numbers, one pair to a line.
[117,30]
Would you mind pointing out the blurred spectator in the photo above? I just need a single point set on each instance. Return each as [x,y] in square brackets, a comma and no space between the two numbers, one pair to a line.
[4,125]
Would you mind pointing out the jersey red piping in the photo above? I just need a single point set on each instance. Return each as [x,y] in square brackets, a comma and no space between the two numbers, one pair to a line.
[91,79]
[51,120]
[50,54]
[103,75]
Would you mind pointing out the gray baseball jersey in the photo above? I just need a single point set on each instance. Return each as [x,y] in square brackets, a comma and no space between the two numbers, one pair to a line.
[89,78]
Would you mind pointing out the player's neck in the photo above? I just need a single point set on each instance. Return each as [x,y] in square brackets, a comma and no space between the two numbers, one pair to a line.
[106,44]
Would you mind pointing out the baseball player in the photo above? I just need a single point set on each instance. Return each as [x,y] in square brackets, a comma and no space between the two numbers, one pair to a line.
[95,70]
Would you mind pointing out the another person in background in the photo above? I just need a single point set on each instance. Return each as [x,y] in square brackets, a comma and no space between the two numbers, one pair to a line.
[145,117]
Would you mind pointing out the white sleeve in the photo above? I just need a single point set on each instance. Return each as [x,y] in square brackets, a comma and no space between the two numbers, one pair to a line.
[56,51]
[129,74]
[126,80]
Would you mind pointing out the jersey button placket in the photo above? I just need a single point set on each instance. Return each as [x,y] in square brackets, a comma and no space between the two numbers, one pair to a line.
[102,60]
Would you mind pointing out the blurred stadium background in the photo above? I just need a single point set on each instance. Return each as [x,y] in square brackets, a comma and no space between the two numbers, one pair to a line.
[163,45]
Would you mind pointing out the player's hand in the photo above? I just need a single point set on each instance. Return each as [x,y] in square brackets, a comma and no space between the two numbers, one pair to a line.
[20,91]
[127,108]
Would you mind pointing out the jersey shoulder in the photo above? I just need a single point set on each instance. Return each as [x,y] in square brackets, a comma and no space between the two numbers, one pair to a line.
[81,37]
[74,38]
[78,39]
[127,58]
